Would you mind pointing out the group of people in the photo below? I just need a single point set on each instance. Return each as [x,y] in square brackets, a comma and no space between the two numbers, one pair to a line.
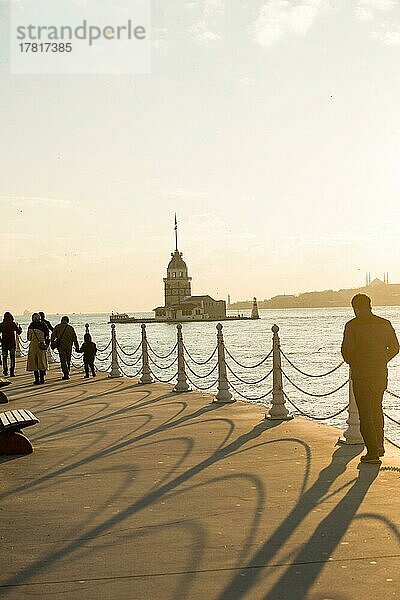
[41,335]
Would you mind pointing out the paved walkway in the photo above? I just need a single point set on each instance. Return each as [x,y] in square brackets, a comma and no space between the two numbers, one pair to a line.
[134,492]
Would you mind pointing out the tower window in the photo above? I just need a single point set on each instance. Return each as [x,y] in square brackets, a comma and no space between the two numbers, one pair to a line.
[181,274]
[174,274]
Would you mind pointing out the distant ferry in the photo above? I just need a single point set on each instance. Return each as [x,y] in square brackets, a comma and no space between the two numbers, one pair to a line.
[121,318]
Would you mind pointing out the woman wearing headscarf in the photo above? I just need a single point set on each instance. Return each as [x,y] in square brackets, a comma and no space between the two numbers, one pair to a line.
[38,336]
[8,329]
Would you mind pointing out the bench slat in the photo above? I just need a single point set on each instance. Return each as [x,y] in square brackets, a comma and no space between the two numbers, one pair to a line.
[4,420]
[25,414]
[31,416]
[18,416]
[10,416]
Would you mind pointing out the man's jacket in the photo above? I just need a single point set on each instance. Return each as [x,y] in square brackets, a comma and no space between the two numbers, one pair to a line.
[369,343]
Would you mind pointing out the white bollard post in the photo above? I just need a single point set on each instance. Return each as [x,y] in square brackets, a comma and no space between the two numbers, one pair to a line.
[352,435]
[115,370]
[223,396]
[278,410]
[18,353]
[181,384]
[146,375]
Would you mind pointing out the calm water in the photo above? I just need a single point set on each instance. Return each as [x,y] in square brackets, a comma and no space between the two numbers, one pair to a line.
[310,338]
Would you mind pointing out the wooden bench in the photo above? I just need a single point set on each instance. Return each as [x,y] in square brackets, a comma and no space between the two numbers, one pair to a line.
[3,383]
[12,440]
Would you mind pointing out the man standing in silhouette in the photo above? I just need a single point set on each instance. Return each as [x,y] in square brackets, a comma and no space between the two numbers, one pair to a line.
[369,343]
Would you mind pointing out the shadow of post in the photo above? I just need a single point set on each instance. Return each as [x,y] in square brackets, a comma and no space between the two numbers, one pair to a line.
[140,504]
[333,527]
[323,541]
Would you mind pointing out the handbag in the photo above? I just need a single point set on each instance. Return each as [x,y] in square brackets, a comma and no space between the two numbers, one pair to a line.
[42,345]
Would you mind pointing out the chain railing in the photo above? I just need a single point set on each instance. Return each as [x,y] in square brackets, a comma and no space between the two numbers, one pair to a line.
[309,374]
[185,367]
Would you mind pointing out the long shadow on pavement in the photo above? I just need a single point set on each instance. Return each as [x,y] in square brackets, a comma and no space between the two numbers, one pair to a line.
[317,549]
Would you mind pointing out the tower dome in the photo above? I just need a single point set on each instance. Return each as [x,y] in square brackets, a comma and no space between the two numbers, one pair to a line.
[177,264]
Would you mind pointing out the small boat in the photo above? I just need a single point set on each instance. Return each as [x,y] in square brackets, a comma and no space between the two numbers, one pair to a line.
[121,318]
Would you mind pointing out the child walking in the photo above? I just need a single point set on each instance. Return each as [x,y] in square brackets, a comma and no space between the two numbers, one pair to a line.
[89,350]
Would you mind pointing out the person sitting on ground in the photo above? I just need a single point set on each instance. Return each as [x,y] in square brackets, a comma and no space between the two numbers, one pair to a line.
[38,336]
[8,329]
[62,339]
[369,343]
[45,321]
[89,350]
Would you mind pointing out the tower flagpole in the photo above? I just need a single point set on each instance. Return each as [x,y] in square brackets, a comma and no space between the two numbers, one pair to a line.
[176,234]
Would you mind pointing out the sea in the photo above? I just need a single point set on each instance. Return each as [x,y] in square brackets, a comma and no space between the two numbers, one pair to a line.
[310,338]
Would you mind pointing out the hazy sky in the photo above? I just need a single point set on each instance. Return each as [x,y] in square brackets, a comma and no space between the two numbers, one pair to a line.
[270,126]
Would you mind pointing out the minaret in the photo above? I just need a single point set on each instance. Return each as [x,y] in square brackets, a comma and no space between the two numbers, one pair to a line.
[254,310]
[229,299]
[177,284]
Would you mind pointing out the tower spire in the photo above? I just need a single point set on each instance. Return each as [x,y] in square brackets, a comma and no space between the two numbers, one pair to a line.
[176,234]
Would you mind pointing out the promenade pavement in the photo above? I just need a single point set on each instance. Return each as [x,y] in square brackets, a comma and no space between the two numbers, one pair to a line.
[134,492]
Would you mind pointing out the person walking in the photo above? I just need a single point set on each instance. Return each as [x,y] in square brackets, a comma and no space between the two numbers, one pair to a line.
[89,350]
[38,337]
[63,338]
[45,321]
[8,329]
[369,343]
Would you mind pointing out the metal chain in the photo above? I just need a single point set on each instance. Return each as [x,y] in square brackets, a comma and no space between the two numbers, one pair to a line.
[312,393]
[132,376]
[104,349]
[199,362]
[102,370]
[203,389]
[392,394]
[339,412]
[391,419]
[159,355]
[103,359]
[249,397]
[201,376]
[394,443]
[249,382]
[128,353]
[160,367]
[247,366]
[309,374]
[129,364]
[76,366]
[163,380]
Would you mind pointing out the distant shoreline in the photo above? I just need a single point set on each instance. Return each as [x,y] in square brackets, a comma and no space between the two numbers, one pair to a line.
[375,305]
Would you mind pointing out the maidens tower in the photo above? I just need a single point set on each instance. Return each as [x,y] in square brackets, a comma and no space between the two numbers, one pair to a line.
[177,282]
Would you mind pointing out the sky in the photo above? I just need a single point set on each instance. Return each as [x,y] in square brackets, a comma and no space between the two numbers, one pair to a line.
[271,127]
